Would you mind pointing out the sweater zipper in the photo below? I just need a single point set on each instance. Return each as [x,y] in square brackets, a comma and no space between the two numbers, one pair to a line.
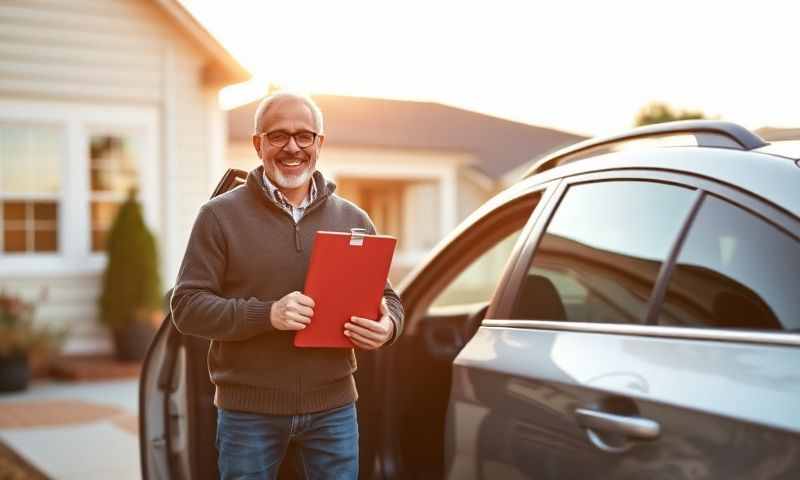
[316,203]
[297,245]
[313,206]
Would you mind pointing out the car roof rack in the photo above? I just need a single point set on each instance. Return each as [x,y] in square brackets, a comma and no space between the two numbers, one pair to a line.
[708,133]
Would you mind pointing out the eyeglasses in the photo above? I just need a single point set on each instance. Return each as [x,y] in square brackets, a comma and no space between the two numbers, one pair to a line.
[280,138]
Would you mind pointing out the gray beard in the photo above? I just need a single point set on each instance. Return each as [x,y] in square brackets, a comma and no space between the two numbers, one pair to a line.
[290,181]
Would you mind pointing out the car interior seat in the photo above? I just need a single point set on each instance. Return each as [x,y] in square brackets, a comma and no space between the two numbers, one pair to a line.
[739,310]
[538,299]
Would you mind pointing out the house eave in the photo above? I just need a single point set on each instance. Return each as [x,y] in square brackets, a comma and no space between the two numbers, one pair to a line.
[223,69]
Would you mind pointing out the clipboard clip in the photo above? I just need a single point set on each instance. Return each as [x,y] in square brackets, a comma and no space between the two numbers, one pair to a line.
[357,236]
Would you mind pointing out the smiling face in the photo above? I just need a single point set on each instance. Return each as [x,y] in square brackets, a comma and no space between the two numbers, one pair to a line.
[288,167]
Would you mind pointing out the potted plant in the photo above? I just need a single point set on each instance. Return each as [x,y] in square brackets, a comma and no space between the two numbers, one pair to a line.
[22,342]
[130,302]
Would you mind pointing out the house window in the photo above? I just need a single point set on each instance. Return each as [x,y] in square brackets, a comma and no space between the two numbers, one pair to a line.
[64,171]
[112,173]
[30,187]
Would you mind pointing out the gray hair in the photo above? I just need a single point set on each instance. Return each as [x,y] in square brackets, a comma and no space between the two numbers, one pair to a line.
[267,102]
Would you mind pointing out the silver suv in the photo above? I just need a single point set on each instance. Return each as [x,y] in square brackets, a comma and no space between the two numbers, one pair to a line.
[629,309]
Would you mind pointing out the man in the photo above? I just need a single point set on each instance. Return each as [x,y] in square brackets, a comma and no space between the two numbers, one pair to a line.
[239,286]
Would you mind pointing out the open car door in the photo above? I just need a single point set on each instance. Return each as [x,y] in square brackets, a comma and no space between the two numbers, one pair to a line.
[177,416]
[406,386]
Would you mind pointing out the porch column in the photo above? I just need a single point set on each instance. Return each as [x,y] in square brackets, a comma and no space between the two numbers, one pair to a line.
[448,192]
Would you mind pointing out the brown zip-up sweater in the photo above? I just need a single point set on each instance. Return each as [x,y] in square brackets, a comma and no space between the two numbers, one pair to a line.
[245,252]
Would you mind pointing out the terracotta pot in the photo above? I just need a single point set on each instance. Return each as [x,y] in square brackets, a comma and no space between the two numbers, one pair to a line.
[131,341]
[15,372]
[40,363]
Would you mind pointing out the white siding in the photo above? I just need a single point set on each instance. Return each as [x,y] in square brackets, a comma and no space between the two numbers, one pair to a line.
[108,50]
[193,155]
[71,301]
[243,156]
[112,52]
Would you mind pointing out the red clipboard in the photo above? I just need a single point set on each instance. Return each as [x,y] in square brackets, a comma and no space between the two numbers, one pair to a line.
[346,277]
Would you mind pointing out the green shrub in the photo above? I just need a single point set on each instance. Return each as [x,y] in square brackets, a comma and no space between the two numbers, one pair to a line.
[131,285]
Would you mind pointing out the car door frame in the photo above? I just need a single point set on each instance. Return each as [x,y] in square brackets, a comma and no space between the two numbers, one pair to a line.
[168,350]
[422,285]
[499,316]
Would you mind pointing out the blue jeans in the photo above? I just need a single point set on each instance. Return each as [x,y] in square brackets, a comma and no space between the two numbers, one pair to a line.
[252,445]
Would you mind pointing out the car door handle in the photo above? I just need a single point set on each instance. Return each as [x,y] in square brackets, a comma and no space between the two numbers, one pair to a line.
[636,428]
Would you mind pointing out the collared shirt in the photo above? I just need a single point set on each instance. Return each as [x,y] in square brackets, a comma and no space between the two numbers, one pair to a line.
[296,212]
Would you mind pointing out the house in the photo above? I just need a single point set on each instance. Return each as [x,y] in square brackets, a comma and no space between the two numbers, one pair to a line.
[773,134]
[97,97]
[417,168]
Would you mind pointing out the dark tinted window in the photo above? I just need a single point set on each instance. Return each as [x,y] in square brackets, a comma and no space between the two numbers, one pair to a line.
[601,252]
[736,271]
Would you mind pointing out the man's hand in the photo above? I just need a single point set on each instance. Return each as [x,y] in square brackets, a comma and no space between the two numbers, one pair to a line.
[370,334]
[292,312]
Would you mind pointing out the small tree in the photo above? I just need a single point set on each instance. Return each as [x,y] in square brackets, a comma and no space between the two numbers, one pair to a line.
[131,285]
[658,112]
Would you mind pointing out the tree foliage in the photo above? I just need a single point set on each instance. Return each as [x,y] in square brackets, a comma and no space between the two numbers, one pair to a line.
[659,112]
[131,284]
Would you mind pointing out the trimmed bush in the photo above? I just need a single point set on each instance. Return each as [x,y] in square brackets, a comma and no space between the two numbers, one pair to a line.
[131,285]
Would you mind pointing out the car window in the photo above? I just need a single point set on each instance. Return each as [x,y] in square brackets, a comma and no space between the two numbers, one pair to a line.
[464,275]
[734,270]
[600,255]
[477,282]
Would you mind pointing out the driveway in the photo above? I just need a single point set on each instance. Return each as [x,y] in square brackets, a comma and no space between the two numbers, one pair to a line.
[85,430]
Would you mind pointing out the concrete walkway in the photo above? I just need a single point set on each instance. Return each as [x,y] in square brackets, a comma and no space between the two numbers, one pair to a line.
[75,430]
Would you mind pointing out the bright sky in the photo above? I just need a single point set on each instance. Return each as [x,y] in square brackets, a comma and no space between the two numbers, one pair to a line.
[580,66]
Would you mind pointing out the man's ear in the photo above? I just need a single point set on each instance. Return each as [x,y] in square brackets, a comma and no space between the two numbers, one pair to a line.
[321,140]
[257,144]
